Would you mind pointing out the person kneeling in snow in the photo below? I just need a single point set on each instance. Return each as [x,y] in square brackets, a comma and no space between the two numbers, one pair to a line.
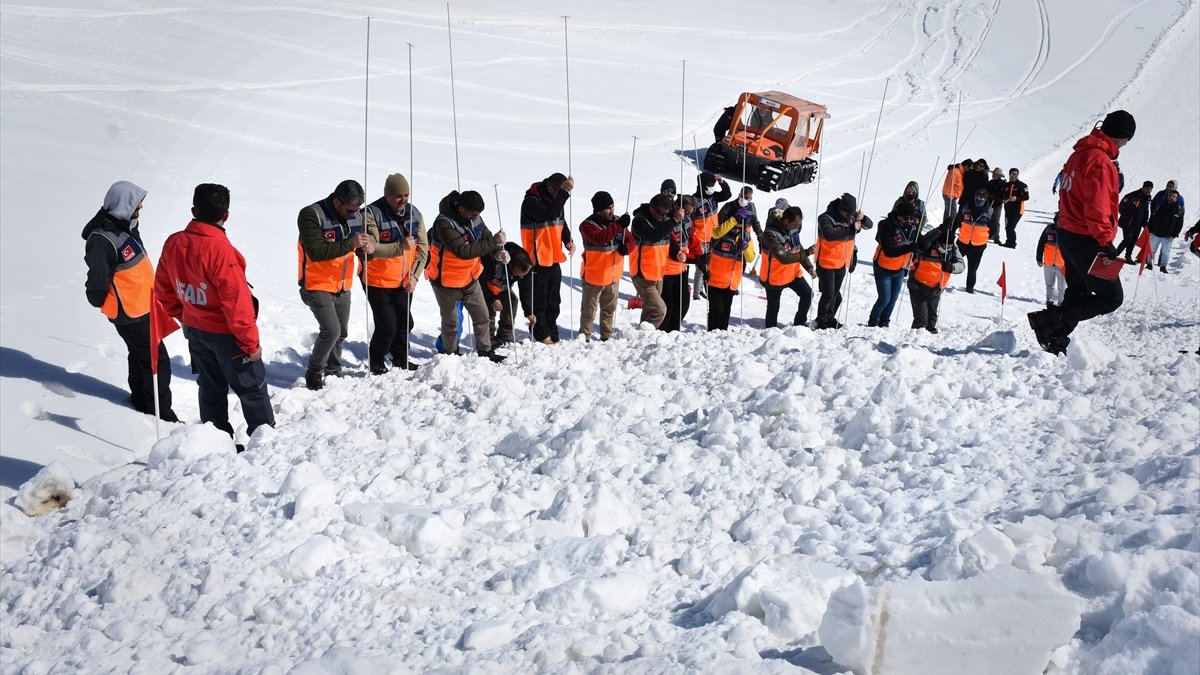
[501,270]
[201,281]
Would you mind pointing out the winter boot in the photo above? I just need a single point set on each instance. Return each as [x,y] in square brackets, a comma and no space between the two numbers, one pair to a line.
[314,380]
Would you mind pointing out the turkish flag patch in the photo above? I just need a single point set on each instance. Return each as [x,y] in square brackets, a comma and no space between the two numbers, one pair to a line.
[127,253]
[330,235]
[385,235]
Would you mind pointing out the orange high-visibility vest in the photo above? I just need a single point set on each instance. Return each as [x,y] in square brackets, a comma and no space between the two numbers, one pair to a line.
[773,271]
[929,271]
[834,255]
[392,272]
[725,266]
[445,268]
[602,264]
[544,242]
[671,266]
[648,259]
[331,276]
[133,277]
[971,231]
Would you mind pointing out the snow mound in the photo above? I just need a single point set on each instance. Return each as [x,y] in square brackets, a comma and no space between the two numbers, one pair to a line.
[49,490]
[969,626]
[189,443]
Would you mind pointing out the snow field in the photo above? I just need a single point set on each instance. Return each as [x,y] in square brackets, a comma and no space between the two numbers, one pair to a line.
[720,502]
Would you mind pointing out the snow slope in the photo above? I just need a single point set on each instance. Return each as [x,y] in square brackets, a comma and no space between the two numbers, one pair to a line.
[659,502]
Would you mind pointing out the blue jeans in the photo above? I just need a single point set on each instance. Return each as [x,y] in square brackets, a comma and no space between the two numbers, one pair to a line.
[889,284]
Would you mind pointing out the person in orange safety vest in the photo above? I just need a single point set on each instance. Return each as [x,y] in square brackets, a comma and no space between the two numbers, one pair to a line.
[604,249]
[732,248]
[934,261]
[974,222]
[119,282]
[836,229]
[650,245]
[1050,259]
[544,235]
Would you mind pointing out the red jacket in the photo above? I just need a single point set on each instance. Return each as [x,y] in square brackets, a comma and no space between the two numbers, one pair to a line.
[1090,192]
[201,280]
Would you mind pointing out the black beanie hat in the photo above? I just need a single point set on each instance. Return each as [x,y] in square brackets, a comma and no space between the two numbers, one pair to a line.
[668,187]
[1118,124]
[904,209]
[708,179]
[847,203]
[601,200]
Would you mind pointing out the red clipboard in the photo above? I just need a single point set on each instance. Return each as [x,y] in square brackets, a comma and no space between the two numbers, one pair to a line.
[1103,268]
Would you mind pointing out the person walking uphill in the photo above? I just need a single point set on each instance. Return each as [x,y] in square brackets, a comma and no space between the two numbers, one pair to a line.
[711,190]
[732,247]
[397,231]
[934,260]
[1165,225]
[896,240]
[458,241]
[836,229]
[649,247]
[201,281]
[119,282]
[544,234]
[1133,214]
[1015,196]
[785,261]
[604,249]
[1087,225]
[974,226]
[331,232]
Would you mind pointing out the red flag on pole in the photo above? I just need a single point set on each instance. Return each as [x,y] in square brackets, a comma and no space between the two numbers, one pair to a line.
[1002,282]
[1143,244]
[161,325]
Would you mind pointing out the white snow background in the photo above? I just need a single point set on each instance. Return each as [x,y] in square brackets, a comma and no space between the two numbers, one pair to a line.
[865,500]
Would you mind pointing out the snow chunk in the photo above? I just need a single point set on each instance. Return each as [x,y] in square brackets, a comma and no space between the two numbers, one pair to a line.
[189,443]
[1000,342]
[788,594]
[419,531]
[129,587]
[308,558]
[488,634]
[970,626]
[1088,355]
[301,476]
[49,490]
[1121,490]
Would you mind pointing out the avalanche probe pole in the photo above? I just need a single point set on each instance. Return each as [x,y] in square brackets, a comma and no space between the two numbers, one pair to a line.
[570,172]
[366,112]
[512,317]
[453,101]
[679,191]
[411,180]
[866,182]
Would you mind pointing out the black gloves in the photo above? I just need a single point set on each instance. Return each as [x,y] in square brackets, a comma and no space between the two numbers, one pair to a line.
[624,220]
[1109,251]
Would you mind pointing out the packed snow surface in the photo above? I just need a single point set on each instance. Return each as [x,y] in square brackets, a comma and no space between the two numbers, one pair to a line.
[756,500]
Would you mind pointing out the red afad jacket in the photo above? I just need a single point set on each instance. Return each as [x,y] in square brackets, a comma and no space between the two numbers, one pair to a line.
[201,280]
[1089,194]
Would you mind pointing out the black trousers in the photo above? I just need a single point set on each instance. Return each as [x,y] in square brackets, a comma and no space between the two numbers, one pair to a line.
[389,308]
[830,283]
[547,298]
[1010,228]
[720,305]
[925,302]
[800,287]
[1129,237]
[1086,296]
[973,254]
[676,294]
[141,381]
[220,365]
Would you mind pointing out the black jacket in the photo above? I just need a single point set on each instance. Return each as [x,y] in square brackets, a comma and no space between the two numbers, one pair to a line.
[101,259]
[1020,191]
[539,207]
[648,231]
[1167,220]
[1134,211]
[894,238]
[502,274]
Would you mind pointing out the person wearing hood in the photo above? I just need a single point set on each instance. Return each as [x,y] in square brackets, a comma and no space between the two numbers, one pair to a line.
[785,261]
[119,282]
[895,240]
[836,229]
[397,230]
[331,234]
[456,245]
[732,248]
[650,245]
[975,176]
[544,234]
[912,197]
[1015,195]
[973,222]
[604,248]
[1087,225]
[201,281]
[711,190]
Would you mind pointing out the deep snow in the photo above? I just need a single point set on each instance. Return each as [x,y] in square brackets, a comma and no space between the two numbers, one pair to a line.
[766,500]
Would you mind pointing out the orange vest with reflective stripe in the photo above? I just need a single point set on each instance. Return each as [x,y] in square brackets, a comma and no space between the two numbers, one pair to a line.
[774,272]
[974,229]
[671,266]
[602,265]
[725,266]
[702,227]
[544,242]
[647,259]
[133,277]
[929,271]
[445,268]
[330,276]
[834,255]
[392,272]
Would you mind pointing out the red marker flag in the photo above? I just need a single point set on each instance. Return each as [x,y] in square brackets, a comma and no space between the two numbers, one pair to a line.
[1002,282]
[161,325]
[1143,244]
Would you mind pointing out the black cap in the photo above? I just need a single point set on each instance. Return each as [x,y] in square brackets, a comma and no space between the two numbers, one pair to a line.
[1118,124]
[601,200]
